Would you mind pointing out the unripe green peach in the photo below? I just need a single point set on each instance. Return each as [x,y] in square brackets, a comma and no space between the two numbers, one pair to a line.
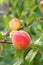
[15,24]
[21,40]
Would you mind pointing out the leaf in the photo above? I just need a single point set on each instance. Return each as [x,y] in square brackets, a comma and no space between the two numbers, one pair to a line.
[28,3]
[31,55]
[37,59]
[18,62]
[1,36]
[6,21]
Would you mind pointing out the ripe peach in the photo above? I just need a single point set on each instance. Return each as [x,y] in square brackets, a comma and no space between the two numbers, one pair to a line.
[21,39]
[15,24]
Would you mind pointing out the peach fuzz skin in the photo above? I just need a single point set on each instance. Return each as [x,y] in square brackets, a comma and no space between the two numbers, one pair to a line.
[15,24]
[21,40]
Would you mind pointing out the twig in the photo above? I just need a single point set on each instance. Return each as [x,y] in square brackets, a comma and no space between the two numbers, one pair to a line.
[7,33]
[5,41]
[25,26]
[39,18]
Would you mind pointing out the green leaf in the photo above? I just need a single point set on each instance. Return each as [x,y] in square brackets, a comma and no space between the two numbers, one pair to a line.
[6,21]
[18,62]
[31,55]
[1,36]
[28,3]
[37,59]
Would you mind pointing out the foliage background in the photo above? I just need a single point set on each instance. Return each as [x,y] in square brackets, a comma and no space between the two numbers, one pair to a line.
[27,11]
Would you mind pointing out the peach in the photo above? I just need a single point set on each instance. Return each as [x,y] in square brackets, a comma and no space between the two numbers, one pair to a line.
[14,24]
[21,40]
[12,32]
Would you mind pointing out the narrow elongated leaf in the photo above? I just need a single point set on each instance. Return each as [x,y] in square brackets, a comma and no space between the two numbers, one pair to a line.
[31,55]
[18,62]
[1,36]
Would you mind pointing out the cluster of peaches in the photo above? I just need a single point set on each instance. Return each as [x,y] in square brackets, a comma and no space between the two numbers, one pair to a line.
[20,38]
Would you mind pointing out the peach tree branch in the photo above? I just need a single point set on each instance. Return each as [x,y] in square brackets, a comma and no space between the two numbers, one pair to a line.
[7,33]
[5,41]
